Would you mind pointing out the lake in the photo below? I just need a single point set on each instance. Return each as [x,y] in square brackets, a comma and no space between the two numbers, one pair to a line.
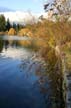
[23,83]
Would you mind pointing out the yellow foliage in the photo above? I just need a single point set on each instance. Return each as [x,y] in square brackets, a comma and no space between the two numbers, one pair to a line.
[25,32]
[40,42]
[25,43]
[12,31]
[59,31]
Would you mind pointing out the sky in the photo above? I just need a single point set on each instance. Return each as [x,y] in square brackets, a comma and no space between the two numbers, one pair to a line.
[35,6]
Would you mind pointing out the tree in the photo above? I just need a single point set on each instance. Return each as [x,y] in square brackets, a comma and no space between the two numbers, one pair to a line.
[8,25]
[12,31]
[61,7]
[2,23]
[14,25]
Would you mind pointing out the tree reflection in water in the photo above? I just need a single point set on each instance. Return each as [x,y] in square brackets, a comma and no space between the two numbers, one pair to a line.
[40,80]
[6,44]
[1,45]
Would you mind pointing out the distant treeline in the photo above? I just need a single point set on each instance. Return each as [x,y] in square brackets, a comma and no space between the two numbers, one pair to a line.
[6,25]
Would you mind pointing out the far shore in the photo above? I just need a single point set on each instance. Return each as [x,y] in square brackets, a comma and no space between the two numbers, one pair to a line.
[3,33]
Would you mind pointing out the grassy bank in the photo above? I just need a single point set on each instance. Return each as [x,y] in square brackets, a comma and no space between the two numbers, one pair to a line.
[54,34]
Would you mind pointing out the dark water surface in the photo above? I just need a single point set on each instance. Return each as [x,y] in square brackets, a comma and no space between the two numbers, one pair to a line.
[22,84]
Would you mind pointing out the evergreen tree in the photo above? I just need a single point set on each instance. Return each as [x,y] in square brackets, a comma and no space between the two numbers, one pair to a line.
[2,23]
[14,25]
[8,25]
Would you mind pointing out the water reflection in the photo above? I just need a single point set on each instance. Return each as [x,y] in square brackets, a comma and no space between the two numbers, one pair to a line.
[6,44]
[23,83]
[40,80]
[1,45]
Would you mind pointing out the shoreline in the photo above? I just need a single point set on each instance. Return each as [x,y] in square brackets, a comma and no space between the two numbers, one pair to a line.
[3,33]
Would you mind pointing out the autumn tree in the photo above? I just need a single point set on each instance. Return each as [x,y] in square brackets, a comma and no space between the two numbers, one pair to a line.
[12,31]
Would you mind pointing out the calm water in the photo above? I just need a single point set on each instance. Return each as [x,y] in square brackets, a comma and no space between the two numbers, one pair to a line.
[22,82]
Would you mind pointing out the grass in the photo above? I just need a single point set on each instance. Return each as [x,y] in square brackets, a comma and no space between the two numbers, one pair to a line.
[68,61]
